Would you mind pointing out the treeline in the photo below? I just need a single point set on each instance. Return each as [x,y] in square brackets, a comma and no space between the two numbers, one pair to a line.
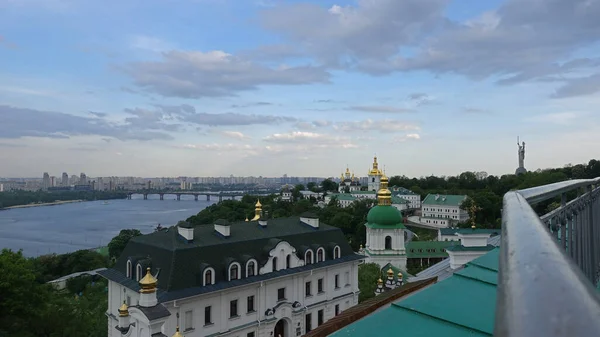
[19,197]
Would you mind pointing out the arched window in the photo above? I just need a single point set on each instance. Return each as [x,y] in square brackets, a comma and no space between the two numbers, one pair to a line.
[336,252]
[128,269]
[250,268]
[138,272]
[308,257]
[209,276]
[275,264]
[288,260]
[388,242]
[234,271]
[320,255]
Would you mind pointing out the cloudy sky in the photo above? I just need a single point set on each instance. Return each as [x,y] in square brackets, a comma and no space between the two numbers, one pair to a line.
[251,87]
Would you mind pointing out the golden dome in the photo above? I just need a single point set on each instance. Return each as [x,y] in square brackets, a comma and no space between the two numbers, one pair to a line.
[399,275]
[347,171]
[473,226]
[375,171]
[361,246]
[380,281]
[390,272]
[257,211]
[148,283]
[177,333]
[246,219]
[384,196]
[123,310]
[258,204]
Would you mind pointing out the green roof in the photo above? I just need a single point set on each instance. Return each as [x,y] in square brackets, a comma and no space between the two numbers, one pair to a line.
[452,231]
[460,248]
[424,249]
[384,216]
[398,200]
[461,305]
[402,190]
[343,196]
[364,192]
[444,200]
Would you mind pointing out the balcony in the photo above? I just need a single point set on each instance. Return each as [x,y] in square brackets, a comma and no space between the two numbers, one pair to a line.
[549,264]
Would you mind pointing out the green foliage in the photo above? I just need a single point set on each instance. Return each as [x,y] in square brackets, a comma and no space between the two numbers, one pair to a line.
[368,274]
[329,185]
[19,197]
[118,243]
[53,266]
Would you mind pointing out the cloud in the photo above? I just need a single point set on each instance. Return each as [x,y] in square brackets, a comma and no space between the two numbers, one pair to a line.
[579,87]
[472,110]
[419,99]
[272,52]
[386,125]
[234,134]
[248,105]
[218,147]
[99,114]
[230,118]
[558,118]
[149,43]
[302,141]
[303,125]
[380,109]
[410,136]
[511,44]
[22,122]
[195,74]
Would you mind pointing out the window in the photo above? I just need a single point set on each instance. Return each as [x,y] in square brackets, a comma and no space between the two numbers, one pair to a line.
[138,272]
[320,255]
[189,320]
[250,304]
[208,273]
[337,281]
[234,272]
[347,278]
[280,294]
[207,318]
[287,261]
[128,269]
[274,264]
[233,309]
[308,322]
[388,242]
[336,252]
[128,300]
[250,268]
[308,257]
[337,309]
[250,334]
[319,317]
[307,289]
[320,285]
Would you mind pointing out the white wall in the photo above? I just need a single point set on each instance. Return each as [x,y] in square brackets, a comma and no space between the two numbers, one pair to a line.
[415,200]
[449,212]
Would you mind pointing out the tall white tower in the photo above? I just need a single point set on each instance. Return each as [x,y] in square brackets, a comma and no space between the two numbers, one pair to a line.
[374,176]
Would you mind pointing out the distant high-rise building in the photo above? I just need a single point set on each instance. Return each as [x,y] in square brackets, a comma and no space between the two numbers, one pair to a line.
[100,185]
[46,181]
[83,179]
[53,181]
[65,179]
[74,180]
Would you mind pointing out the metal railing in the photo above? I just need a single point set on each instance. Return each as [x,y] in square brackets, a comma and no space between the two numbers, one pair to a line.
[549,265]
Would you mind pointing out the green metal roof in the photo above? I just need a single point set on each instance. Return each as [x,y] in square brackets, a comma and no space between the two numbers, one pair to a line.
[452,231]
[384,216]
[444,200]
[424,249]
[398,200]
[343,196]
[461,305]
[363,192]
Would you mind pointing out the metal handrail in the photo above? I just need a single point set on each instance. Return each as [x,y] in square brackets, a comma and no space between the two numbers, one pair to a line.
[541,291]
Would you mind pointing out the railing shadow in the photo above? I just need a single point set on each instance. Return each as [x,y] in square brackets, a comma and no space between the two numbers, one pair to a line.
[549,265]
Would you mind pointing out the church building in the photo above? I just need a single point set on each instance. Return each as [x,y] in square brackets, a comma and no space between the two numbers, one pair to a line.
[262,277]
[374,175]
[385,231]
[349,181]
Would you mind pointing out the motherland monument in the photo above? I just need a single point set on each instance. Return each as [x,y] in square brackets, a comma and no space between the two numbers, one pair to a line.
[521,169]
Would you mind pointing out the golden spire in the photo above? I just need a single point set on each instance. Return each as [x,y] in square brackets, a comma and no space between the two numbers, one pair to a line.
[347,171]
[375,171]
[148,283]
[123,310]
[399,275]
[257,211]
[177,333]
[361,246]
[473,214]
[380,281]
[246,219]
[390,272]
[384,196]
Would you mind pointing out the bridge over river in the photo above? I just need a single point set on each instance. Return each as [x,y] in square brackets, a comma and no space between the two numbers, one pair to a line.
[197,194]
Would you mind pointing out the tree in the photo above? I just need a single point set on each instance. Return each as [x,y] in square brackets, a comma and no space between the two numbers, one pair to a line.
[368,274]
[329,185]
[118,243]
[311,186]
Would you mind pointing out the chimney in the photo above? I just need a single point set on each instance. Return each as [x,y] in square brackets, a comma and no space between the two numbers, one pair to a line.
[223,227]
[263,221]
[310,219]
[186,230]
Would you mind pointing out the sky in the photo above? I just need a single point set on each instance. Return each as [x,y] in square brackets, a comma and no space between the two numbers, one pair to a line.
[298,87]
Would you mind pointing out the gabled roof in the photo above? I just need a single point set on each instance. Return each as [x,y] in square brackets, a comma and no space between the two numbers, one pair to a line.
[444,200]
[461,305]
[402,191]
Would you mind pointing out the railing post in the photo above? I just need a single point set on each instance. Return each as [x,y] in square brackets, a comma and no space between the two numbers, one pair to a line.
[563,221]
[592,248]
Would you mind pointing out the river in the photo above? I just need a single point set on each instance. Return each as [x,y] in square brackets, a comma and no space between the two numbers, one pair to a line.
[70,227]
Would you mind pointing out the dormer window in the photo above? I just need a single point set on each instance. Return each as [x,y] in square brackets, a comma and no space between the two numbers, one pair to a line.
[234,271]
[320,255]
[250,268]
[308,257]
[209,276]
[138,272]
[336,252]
[128,269]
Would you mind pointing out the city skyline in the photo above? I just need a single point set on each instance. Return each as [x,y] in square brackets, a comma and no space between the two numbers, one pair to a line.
[262,88]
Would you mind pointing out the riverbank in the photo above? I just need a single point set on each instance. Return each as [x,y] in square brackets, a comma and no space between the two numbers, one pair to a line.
[44,204]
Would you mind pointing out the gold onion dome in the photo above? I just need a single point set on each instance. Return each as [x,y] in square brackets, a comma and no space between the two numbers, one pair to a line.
[384,195]
[177,333]
[390,273]
[399,275]
[148,283]
[257,211]
[246,219]
[383,214]
[380,281]
[123,310]
[258,204]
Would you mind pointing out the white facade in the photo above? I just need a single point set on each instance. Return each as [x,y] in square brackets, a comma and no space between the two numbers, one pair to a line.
[386,246]
[374,182]
[415,199]
[435,222]
[286,195]
[290,303]
[435,206]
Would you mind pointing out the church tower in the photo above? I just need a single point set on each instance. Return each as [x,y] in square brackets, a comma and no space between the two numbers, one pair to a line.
[375,176]
[385,231]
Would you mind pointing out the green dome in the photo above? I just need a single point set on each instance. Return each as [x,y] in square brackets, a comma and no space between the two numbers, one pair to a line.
[384,216]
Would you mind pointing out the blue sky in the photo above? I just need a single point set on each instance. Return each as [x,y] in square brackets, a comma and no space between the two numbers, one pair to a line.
[219,87]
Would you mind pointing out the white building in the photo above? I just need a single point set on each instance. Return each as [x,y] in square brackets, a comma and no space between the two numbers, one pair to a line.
[286,194]
[406,194]
[385,232]
[443,210]
[347,199]
[269,277]
[451,234]
[349,181]
[374,175]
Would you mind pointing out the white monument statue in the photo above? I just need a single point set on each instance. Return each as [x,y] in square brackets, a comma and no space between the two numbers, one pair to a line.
[521,169]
